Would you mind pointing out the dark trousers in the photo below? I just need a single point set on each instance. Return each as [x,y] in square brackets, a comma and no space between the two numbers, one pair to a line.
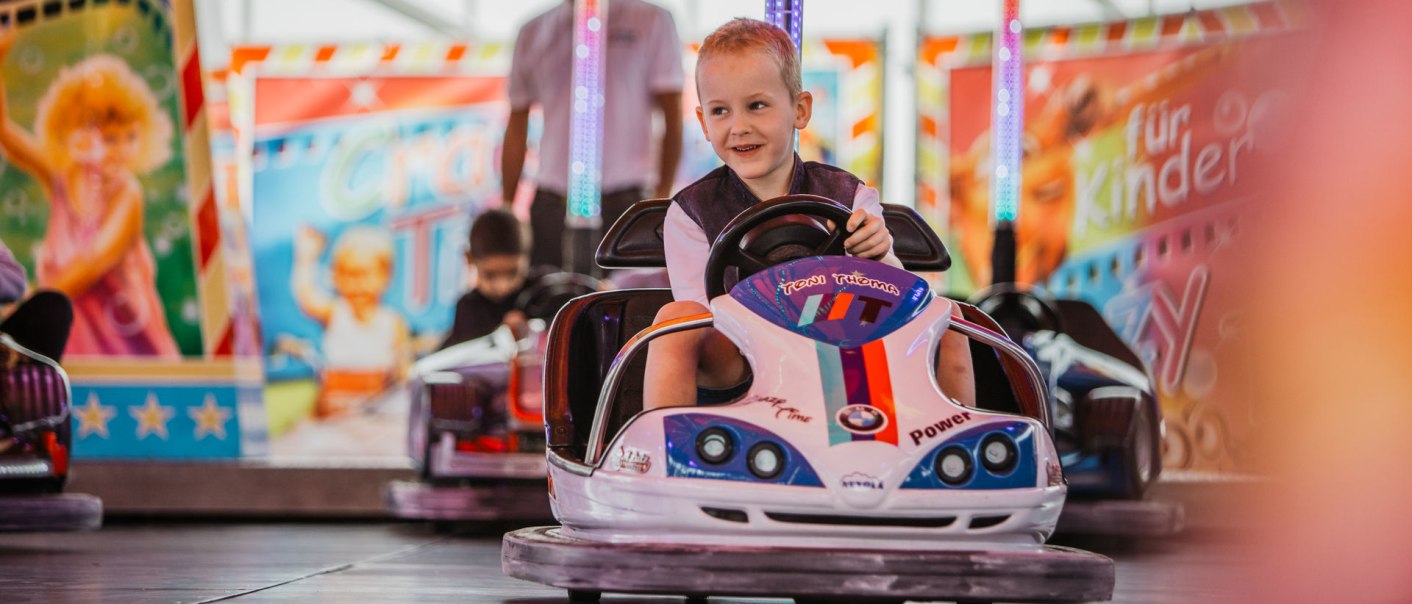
[41,323]
[547,215]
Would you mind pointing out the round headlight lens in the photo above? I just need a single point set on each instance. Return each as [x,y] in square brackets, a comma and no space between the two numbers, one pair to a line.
[715,446]
[766,460]
[953,465]
[998,454]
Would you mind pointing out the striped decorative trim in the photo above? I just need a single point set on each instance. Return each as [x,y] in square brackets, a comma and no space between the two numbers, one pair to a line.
[860,131]
[217,328]
[1125,36]
[856,376]
[861,61]
[349,59]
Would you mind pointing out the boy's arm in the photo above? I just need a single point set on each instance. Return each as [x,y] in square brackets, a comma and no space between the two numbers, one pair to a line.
[520,91]
[954,371]
[665,79]
[458,320]
[403,354]
[308,244]
[19,146]
[121,230]
[870,237]
[670,155]
[686,251]
[474,318]
[512,154]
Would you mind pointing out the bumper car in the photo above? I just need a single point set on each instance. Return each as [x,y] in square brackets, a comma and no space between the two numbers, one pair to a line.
[844,472]
[1106,419]
[35,443]
[476,423]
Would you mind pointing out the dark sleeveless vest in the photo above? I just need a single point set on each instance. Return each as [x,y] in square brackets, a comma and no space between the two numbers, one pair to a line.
[718,197]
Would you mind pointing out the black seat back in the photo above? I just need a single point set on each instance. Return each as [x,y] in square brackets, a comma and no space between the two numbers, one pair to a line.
[585,337]
[913,240]
[635,239]
[994,391]
[1085,325]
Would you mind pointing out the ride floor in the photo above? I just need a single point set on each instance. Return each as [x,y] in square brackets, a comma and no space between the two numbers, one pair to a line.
[177,561]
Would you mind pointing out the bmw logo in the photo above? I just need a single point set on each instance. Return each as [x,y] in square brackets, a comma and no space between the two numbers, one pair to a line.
[861,419]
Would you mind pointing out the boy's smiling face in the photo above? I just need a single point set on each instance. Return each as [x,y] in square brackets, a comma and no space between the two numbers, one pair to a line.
[747,114]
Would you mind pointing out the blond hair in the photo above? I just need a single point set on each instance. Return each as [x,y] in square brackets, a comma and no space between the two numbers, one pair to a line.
[373,240]
[98,91]
[741,35]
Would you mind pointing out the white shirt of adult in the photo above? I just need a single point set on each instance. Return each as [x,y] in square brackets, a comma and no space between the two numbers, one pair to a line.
[686,247]
[644,58]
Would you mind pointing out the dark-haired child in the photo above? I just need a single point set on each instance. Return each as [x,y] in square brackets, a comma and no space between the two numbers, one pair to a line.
[499,246]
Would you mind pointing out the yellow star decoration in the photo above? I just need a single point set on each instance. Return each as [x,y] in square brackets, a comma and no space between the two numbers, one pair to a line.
[210,419]
[152,418]
[93,417]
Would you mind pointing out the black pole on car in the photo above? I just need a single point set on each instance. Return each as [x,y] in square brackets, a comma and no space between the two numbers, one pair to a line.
[1002,254]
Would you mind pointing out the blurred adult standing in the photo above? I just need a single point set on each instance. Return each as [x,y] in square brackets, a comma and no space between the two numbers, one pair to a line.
[643,75]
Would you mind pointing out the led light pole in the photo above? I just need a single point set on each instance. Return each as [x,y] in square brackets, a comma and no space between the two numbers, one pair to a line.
[585,201]
[789,16]
[1007,119]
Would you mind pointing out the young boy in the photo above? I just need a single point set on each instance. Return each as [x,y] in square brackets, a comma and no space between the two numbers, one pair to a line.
[499,249]
[752,103]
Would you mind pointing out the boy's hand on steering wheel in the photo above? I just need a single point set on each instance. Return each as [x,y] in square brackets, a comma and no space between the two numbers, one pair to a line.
[518,323]
[870,238]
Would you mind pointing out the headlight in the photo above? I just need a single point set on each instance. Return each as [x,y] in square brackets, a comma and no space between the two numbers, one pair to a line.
[953,465]
[998,454]
[715,446]
[766,460]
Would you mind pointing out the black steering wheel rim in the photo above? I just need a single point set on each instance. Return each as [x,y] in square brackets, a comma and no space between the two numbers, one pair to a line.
[727,252]
[1016,305]
[544,298]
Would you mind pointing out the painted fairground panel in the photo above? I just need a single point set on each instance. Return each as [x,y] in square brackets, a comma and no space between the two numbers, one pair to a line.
[1140,140]
[362,191]
[229,169]
[106,192]
[94,181]
[845,78]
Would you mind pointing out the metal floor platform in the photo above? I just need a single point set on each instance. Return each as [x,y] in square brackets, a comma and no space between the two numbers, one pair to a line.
[172,561]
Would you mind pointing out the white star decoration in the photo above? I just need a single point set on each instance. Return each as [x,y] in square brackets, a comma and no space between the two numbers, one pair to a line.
[93,417]
[210,419]
[364,95]
[152,418]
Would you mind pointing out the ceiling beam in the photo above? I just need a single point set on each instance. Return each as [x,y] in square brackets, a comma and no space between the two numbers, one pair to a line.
[428,18]
[1111,12]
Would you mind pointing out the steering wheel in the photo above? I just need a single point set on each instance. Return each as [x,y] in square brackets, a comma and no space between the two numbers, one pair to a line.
[544,299]
[738,246]
[1018,310]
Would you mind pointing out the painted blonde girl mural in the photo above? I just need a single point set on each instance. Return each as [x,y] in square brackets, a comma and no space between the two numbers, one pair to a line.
[98,128]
